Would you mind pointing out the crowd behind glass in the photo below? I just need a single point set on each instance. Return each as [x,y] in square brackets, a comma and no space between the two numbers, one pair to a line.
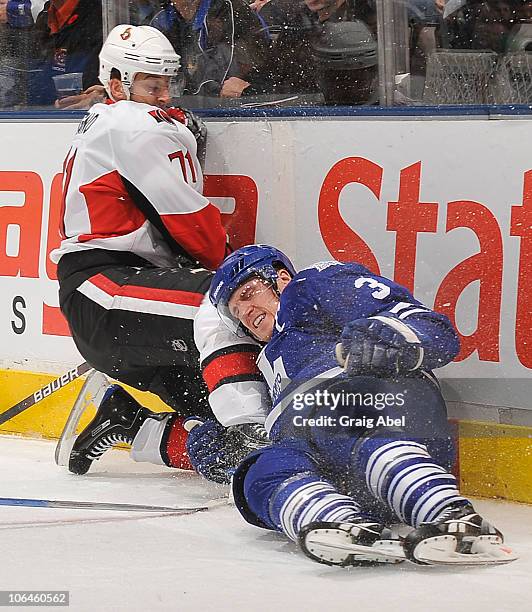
[278,52]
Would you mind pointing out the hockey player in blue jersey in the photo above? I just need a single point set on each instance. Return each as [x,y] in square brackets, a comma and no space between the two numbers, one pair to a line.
[358,423]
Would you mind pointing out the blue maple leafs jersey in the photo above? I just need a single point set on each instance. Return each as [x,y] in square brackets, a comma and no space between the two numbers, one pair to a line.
[315,306]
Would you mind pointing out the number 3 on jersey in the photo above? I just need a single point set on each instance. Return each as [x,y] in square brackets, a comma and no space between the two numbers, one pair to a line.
[186,163]
[381,290]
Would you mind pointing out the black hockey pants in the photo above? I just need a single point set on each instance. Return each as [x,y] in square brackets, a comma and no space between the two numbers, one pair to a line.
[134,322]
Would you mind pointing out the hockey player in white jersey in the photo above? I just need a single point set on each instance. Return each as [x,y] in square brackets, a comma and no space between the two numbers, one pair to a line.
[139,241]
[358,422]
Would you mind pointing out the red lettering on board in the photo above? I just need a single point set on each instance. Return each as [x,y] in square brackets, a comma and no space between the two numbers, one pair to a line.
[521,225]
[53,238]
[343,243]
[486,266]
[53,321]
[407,217]
[28,218]
[242,222]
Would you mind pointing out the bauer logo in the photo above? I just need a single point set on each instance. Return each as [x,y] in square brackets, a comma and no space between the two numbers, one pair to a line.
[100,427]
[55,385]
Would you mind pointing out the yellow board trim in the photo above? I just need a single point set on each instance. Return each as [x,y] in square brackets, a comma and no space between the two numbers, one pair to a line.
[494,460]
[47,418]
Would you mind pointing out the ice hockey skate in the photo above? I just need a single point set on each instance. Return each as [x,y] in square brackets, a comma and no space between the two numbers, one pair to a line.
[91,394]
[459,536]
[361,542]
[118,419]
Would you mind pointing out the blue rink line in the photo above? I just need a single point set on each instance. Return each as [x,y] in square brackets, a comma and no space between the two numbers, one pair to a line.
[88,505]
[31,503]
[296,112]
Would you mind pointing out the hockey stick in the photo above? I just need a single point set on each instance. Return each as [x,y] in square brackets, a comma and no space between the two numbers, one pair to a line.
[44,392]
[49,503]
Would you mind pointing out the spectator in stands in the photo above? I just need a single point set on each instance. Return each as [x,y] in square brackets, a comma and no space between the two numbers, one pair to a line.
[3,12]
[525,12]
[323,46]
[345,57]
[143,11]
[256,5]
[425,11]
[492,24]
[219,42]
[344,10]
[67,38]
[16,22]
[476,24]
[425,19]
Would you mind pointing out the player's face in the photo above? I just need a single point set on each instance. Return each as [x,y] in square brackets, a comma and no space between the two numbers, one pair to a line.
[151,89]
[255,304]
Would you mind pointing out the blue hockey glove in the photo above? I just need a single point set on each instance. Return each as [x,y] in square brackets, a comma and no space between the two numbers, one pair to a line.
[215,451]
[206,450]
[372,346]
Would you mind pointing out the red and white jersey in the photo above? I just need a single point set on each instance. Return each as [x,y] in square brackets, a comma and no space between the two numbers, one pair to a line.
[132,182]
[237,390]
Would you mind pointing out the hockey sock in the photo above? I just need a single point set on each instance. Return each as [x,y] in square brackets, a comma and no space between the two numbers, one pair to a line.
[305,498]
[173,445]
[403,475]
[162,442]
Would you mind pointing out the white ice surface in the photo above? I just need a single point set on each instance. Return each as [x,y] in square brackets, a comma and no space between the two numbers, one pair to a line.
[213,560]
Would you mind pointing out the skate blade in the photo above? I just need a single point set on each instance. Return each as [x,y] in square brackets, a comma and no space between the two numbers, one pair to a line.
[486,550]
[333,546]
[92,392]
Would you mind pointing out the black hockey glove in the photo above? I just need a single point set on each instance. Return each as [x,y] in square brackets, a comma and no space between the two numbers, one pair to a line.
[197,126]
[194,123]
[371,346]
[215,451]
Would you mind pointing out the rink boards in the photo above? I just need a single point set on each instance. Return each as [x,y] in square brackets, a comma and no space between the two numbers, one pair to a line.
[494,460]
[442,206]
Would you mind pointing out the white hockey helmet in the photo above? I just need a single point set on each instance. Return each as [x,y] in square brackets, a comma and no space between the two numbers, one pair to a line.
[133,49]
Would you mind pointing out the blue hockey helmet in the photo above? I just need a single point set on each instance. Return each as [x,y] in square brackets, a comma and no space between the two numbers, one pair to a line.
[253,260]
